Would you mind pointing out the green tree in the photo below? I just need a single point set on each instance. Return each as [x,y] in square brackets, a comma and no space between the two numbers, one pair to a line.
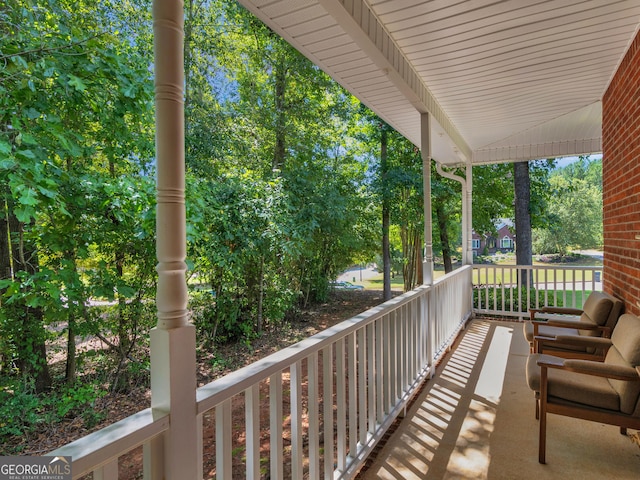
[85,116]
[576,209]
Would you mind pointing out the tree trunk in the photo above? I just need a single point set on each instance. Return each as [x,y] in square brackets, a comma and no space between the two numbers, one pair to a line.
[5,266]
[280,104]
[70,371]
[5,251]
[30,338]
[407,253]
[72,314]
[412,253]
[386,216]
[260,297]
[441,218]
[522,191]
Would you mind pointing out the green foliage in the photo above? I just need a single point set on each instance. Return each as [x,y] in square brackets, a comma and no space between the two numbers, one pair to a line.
[515,299]
[492,196]
[77,400]
[23,412]
[20,411]
[575,209]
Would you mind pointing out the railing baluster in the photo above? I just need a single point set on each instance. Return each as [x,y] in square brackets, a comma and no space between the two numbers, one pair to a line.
[327,399]
[252,419]
[486,288]
[314,413]
[152,462]
[341,407]
[157,460]
[514,291]
[503,288]
[371,376]
[362,385]
[295,384]
[556,299]
[380,373]
[564,288]
[107,472]
[275,424]
[223,441]
[393,356]
[386,362]
[405,350]
[353,393]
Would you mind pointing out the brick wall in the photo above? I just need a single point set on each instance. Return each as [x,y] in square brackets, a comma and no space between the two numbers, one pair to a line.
[621,181]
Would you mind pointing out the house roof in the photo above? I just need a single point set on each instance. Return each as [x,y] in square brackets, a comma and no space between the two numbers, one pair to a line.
[505,81]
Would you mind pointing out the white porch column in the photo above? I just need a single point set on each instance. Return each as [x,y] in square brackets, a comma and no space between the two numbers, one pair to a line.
[173,354]
[468,224]
[425,149]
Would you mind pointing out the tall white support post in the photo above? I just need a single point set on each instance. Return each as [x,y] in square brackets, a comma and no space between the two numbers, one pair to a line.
[425,149]
[468,224]
[173,354]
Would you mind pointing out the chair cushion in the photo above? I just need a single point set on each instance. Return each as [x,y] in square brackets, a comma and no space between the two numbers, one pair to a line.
[626,352]
[527,329]
[598,306]
[546,331]
[573,387]
[626,339]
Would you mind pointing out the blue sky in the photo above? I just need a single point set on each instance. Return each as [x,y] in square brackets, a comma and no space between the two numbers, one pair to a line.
[564,161]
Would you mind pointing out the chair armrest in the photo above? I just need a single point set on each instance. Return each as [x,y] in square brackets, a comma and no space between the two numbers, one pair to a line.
[577,324]
[588,367]
[573,324]
[598,369]
[558,310]
[583,341]
[551,362]
[540,341]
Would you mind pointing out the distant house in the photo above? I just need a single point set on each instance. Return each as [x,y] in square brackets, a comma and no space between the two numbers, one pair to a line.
[504,240]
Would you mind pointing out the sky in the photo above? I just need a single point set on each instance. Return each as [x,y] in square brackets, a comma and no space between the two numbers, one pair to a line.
[564,161]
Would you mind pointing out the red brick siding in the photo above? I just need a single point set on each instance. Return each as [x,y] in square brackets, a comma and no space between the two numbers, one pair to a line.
[621,181]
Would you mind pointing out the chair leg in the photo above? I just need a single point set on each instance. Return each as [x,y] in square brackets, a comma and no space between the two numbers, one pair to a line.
[542,440]
[623,430]
[537,409]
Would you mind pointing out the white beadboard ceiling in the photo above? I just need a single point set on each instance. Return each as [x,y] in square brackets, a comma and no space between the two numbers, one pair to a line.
[505,81]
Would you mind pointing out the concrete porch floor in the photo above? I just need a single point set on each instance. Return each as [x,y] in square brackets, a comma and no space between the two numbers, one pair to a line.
[476,420]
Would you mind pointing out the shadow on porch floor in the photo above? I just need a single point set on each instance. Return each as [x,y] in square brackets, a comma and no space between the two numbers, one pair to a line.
[475,420]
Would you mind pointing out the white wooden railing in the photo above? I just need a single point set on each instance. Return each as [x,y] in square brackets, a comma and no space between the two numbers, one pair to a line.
[331,397]
[499,290]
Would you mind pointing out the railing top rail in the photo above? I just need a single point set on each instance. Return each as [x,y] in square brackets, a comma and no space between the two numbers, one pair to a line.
[99,448]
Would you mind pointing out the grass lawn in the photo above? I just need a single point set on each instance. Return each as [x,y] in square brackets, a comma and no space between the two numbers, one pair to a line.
[397,282]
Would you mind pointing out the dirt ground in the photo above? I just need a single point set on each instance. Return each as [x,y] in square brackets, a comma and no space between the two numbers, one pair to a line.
[340,306]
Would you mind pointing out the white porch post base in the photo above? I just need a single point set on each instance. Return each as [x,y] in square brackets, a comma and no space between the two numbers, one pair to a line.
[173,383]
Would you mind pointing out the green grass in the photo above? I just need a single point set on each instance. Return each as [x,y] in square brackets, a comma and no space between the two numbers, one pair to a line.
[397,282]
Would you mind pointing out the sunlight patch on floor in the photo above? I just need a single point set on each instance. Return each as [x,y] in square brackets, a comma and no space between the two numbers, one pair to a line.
[471,456]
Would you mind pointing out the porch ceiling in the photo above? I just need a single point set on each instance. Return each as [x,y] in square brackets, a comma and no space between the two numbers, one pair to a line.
[504,80]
